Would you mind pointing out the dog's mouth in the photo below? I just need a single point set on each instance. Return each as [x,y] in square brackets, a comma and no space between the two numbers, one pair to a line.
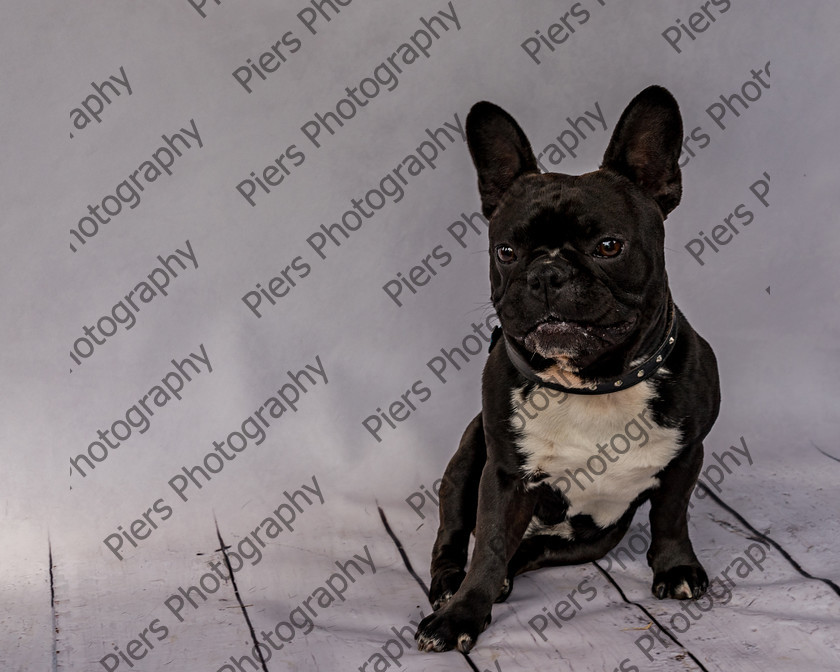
[554,337]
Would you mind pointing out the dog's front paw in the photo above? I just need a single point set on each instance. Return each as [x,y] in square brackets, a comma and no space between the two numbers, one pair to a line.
[444,586]
[681,583]
[448,629]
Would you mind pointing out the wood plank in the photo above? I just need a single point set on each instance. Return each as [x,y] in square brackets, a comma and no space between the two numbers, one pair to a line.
[26,626]
[103,607]
[757,604]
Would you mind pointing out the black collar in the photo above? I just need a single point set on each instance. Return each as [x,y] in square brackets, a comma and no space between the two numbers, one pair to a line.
[634,376]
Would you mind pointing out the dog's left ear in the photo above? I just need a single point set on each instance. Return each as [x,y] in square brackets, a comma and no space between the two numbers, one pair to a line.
[500,152]
[646,144]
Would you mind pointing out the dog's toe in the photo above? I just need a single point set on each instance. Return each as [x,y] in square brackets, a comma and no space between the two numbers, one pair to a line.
[684,582]
[443,599]
[507,586]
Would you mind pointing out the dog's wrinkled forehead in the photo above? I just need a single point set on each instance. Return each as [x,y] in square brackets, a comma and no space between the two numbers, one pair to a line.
[554,207]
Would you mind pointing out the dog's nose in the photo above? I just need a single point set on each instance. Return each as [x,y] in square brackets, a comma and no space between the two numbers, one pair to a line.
[547,278]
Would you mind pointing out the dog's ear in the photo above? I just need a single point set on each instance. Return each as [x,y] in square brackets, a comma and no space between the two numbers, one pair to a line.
[645,146]
[500,152]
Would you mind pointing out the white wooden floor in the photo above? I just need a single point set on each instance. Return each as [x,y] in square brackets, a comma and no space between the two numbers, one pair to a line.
[773,604]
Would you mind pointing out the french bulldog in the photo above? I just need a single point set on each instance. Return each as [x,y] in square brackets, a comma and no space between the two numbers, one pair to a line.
[597,393]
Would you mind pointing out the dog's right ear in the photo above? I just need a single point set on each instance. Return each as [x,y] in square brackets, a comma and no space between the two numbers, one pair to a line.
[500,152]
[646,145]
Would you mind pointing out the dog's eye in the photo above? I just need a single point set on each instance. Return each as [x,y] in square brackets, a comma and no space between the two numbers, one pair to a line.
[609,247]
[505,254]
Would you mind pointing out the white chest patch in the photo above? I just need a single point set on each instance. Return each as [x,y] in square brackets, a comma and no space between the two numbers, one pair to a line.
[600,451]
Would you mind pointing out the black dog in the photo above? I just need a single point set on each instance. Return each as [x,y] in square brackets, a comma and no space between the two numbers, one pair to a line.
[597,394]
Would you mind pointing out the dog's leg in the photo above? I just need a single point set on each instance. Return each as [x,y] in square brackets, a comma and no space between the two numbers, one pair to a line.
[504,511]
[458,505]
[548,550]
[676,571]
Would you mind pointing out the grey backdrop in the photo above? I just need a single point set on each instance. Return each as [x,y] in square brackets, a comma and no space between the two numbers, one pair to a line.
[76,149]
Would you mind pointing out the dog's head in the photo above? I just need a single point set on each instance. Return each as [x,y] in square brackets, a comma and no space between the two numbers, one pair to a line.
[577,265]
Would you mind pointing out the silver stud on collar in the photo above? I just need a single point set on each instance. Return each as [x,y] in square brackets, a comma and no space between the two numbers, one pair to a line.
[618,383]
[659,358]
[671,341]
[641,374]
